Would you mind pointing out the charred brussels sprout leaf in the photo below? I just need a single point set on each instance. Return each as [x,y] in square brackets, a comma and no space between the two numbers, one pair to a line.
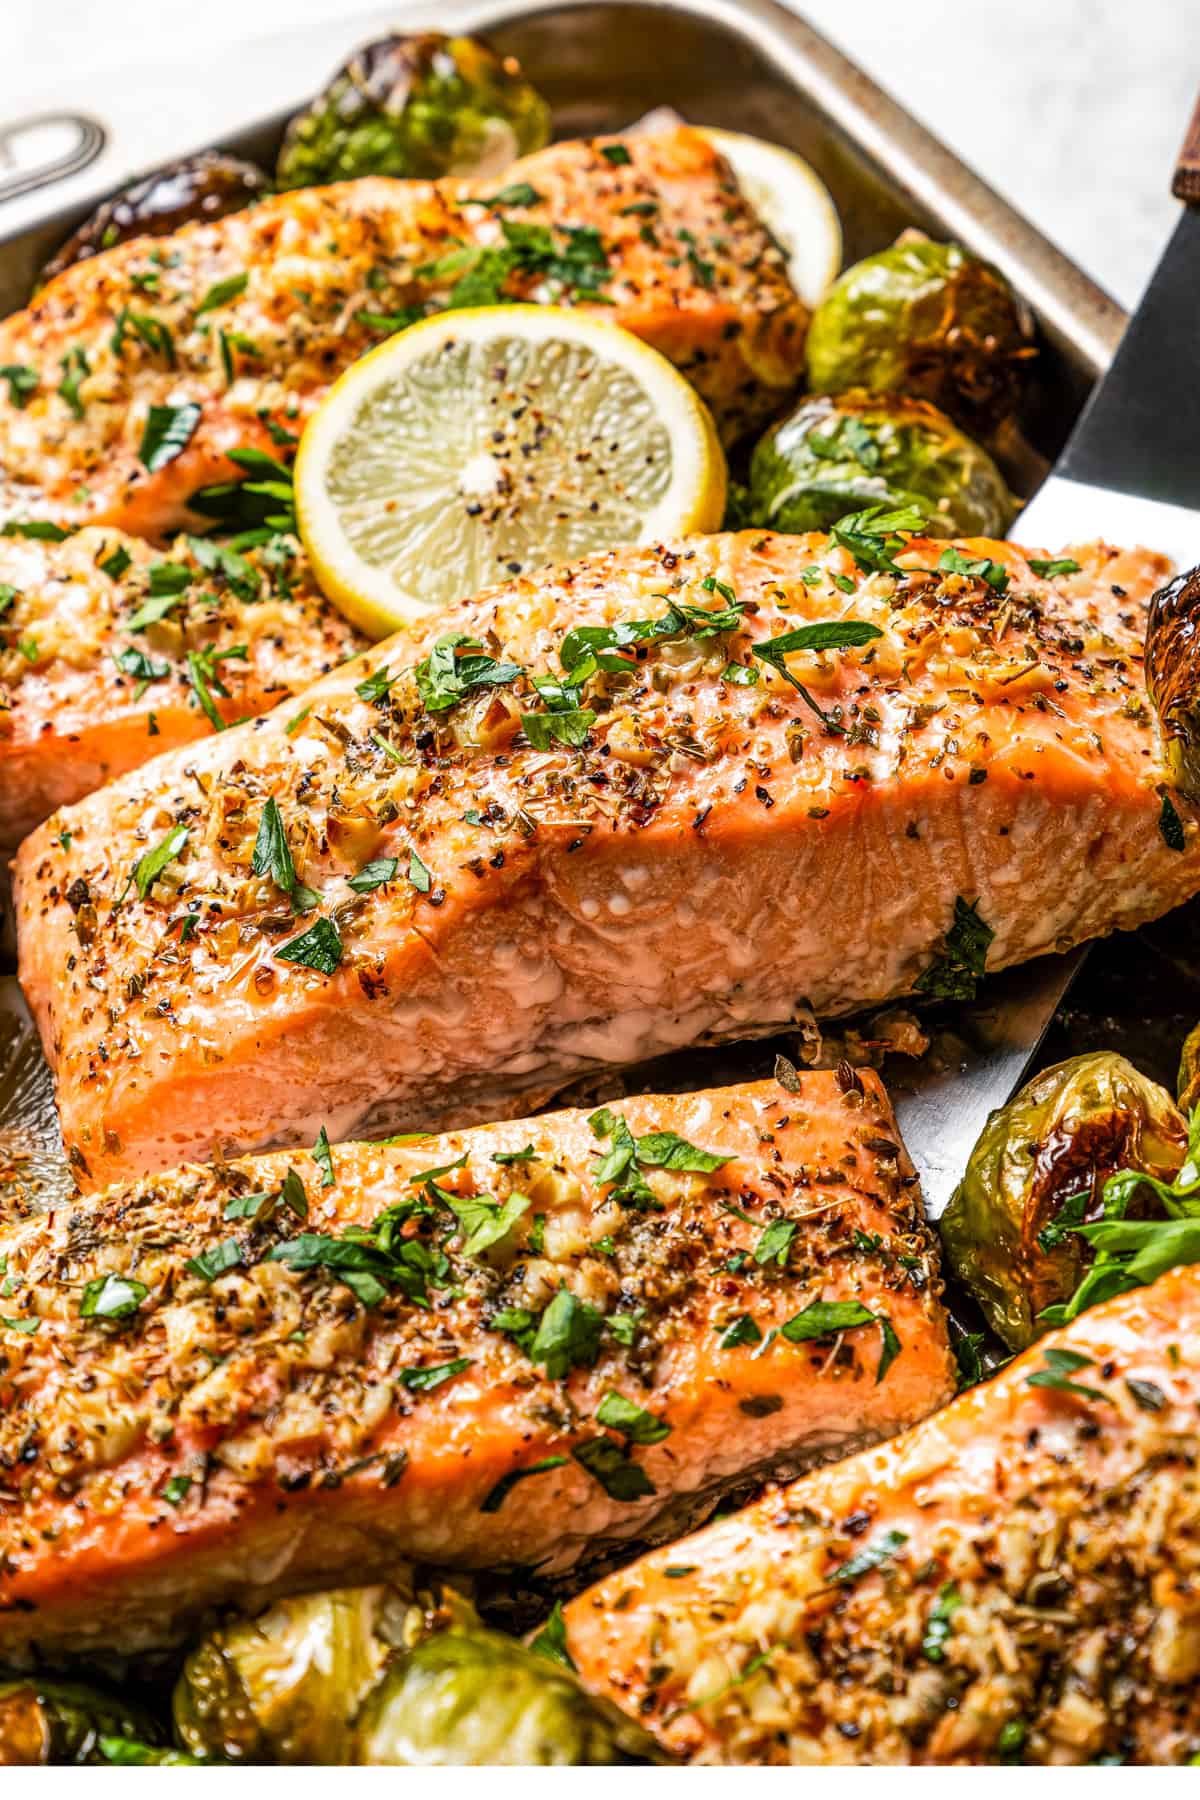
[1173,676]
[1038,1173]
[928,320]
[421,105]
[45,1722]
[201,187]
[473,1697]
[838,454]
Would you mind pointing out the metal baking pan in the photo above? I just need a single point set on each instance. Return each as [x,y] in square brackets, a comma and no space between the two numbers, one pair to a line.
[749,65]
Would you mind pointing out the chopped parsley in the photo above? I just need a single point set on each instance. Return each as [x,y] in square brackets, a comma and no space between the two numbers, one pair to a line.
[824,634]
[209,1264]
[22,383]
[75,370]
[203,674]
[445,677]
[1058,565]
[167,433]
[272,856]
[149,867]
[633,1422]
[606,1461]
[873,536]
[1171,825]
[881,1551]
[373,875]
[423,1381]
[222,292]
[485,1222]
[569,727]
[741,1330]
[825,1318]
[499,1494]
[320,948]
[938,1624]
[418,875]
[112,1297]
[143,668]
[775,1242]
[955,973]
[322,1155]
[551,1640]
[1060,1366]
[176,1490]
[627,1156]
[978,568]
[567,1336]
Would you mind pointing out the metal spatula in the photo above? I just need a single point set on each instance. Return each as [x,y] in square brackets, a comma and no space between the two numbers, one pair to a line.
[1130,473]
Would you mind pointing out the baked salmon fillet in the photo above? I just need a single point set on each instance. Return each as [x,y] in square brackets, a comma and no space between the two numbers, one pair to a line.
[488,1349]
[111,653]
[1016,1579]
[452,888]
[134,372]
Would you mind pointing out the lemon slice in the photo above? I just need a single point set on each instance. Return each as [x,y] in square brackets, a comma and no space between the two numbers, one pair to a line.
[484,443]
[793,202]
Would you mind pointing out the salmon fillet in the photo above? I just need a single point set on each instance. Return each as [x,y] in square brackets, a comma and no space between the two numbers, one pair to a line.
[593,1314]
[710,859]
[1015,1579]
[245,321]
[96,634]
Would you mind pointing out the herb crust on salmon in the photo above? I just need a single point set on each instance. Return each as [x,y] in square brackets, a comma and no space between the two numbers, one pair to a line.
[497,1348]
[664,796]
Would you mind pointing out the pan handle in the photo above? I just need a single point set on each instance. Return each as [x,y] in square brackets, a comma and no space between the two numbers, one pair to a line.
[44,148]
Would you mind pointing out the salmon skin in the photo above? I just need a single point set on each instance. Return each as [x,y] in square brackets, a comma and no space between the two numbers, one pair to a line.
[698,851]
[1015,1579]
[111,653]
[237,326]
[482,1350]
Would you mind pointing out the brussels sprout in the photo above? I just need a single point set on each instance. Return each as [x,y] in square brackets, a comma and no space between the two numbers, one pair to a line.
[64,1722]
[201,187]
[424,105]
[473,1697]
[837,455]
[1173,675]
[928,320]
[286,1686]
[1038,1169]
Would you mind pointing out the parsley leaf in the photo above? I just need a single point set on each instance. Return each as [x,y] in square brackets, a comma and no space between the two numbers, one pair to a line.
[499,1494]
[568,1334]
[114,1297]
[741,1330]
[881,1551]
[825,1318]
[485,1222]
[775,1242]
[873,536]
[632,1421]
[1060,1366]
[320,948]
[937,1625]
[956,971]
[1171,825]
[322,1155]
[423,1381]
[979,568]
[167,433]
[1058,565]
[607,1463]
[418,875]
[217,1261]
[571,728]
[551,1640]
[222,292]
[373,875]
[203,666]
[445,677]
[149,867]
[22,383]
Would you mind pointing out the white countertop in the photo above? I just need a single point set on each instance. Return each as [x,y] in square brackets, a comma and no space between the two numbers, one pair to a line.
[1073,109]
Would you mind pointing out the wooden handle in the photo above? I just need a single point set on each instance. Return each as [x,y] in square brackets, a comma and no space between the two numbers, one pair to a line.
[1186,185]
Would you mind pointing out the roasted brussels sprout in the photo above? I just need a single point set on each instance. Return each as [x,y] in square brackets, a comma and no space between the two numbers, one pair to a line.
[1039,1169]
[423,105]
[387,1675]
[287,1686]
[473,1697]
[201,187]
[929,320]
[839,454]
[1173,675]
[65,1722]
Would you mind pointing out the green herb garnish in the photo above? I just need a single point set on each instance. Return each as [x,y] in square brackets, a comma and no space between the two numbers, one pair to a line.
[956,971]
